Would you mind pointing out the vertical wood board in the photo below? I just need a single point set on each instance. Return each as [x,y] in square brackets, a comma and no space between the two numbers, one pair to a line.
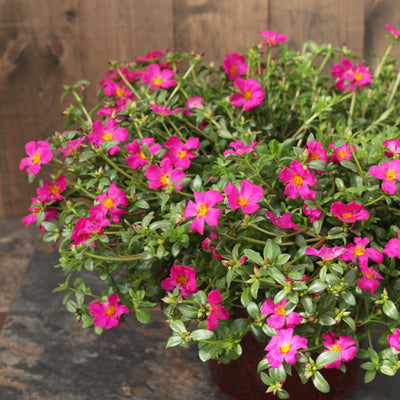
[218,27]
[45,44]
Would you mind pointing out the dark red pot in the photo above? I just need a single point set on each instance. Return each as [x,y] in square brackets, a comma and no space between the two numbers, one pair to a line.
[240,381]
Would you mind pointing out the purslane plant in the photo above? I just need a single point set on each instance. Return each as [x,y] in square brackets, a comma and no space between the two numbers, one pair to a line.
[268,185]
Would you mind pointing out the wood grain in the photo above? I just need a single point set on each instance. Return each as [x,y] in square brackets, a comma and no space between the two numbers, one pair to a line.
[337,22]
[218,27]
[45,44]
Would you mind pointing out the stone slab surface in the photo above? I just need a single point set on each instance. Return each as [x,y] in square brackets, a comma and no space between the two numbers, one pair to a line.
[46,355]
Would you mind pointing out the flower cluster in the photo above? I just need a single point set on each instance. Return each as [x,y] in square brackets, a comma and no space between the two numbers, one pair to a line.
[260,197]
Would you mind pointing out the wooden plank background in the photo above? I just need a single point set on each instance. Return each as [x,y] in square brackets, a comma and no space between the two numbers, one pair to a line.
[45,44]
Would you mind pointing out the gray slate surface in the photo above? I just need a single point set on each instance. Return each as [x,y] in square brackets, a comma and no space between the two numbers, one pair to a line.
[46,355]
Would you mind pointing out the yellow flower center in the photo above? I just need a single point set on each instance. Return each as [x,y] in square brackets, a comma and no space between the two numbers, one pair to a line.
[285,348]
[108,203]
[247,94]
[358,76]
[342,153]
[298,180]
[141,155]
[359,250]
[280,310]
[107,136]
[164,178]
[233,69]
[390,175]
[347,215]
[271,40]
[36,158]
[202,210]
[242,201]
[54,189]
[337,347]
[110,311]
[120,92]
[182,154]
[182,279]
[314,156]
[157,81]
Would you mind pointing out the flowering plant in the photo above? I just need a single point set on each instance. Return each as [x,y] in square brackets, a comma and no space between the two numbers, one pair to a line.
[258,197]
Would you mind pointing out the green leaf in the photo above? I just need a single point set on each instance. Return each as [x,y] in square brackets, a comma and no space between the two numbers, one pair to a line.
[386,370]
[327,357]
[307,303]
[246,297]
[143,316]
[320,382]
[253,256]
[201,334]
[177,326]
[174,341]
[369,376]
[349,298]
[349,165]
[254,288]
[390,310]
[271,250]
[253,310]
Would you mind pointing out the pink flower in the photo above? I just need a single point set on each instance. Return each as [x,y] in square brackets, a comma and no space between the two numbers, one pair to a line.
[122,93]
[193,102]
[39,153]
[107,314]
[272,38]
[240,148]
[115,76]
[313,213]
[149,57]
[251,96]
[158,78]
[394,339]
[341,153]
[278,319]
[164,110]
[392,30]
[180,154]
[182,276]
[205,244]
[350,76]
[326,253]
[110,201]
[51,191]
[110,131]
[234,65]
[350,213]
[368,281]
[50,213]
[246,199]
[283,347]
[110,111]
[316,151]
[393,145]
[216,310]
[392,248]
[86,227]
[137,158]
[164,175]
[284,222]
[344,345]
[388,171]
[298,180]
[203,210]
[72,147]
[360,251]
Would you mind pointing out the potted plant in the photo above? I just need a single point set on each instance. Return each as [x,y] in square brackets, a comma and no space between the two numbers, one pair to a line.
[259,198]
